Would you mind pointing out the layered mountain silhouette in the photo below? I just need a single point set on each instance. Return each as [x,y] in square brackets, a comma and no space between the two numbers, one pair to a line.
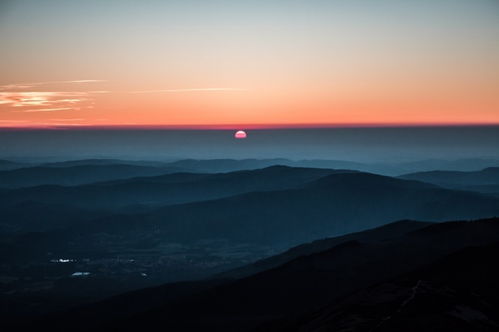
[333,205]
[230,165]
[166,189]
[318,203]
[386,168]
[72,233]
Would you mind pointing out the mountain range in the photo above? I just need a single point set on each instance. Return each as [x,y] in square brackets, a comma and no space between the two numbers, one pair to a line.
[120,245]
[391,168]
[172,188]
[278,205]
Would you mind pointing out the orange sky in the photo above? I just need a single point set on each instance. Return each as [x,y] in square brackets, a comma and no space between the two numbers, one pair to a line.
[232,63]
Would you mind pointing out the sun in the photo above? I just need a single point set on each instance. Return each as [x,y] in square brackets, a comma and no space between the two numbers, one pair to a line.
[240,134]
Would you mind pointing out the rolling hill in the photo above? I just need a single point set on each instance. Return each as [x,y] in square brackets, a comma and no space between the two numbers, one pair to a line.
[166,189]
[332,205]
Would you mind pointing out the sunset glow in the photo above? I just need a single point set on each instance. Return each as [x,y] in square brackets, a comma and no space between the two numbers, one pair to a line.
[263,64]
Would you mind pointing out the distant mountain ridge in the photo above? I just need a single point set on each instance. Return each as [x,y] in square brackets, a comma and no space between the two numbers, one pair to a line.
[485,180]
[485,176]
[74,175]
[228,165]
[6,165]
[335,204]
[278,205]
[96,162]
[167,189]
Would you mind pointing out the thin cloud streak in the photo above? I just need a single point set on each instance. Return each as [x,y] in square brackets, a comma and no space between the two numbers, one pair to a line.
[190,90]
[74,119]
[40,98]
[21,99]
[20,86]
[48,109]
[73,99]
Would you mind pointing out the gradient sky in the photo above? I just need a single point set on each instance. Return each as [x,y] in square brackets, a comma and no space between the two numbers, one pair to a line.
[242,63]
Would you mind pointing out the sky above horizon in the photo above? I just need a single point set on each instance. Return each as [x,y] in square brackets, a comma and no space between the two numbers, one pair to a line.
[248,63]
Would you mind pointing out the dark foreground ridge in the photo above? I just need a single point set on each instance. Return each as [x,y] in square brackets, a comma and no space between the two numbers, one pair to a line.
[406,276]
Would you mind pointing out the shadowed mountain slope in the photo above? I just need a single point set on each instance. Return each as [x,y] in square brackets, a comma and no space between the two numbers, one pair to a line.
[316,283]
[457,293]
[381,233]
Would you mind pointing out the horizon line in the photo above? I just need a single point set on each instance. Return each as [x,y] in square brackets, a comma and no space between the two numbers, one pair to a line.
[246,126]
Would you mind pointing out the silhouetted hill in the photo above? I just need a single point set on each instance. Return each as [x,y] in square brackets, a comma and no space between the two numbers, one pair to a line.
[385,168]
[96,162]
[484,180]
[333,205]
[167,189]
[230,165]
[457,293]
[6,165]
[381,233]
[33,176]
[225,165]
[463,164]
[367,180]
[336,282]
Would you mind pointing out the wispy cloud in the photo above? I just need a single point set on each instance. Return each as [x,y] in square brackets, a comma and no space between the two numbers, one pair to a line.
[189,90]
[55,109]
[36,97]
[21,86]
[40,98]
[83,81]
[72,119]
[15,96]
